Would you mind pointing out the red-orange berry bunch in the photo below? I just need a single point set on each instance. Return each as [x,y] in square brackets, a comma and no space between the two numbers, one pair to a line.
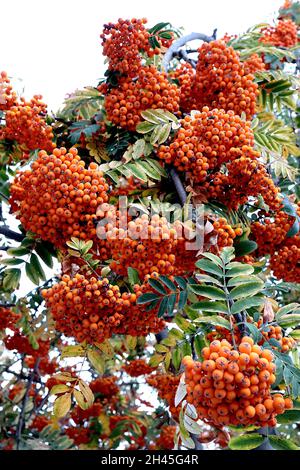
[151,90]
[206,141]
[20,342]
[57,198]
[232,387]
[80,416]
[224,233]
[254,64]
[166,386]
[80,435]
[8,97]
[25,123]
[245,177]
[137,367]
[222,82]
[8,318]
[184,75]
[86,308]
[285,262]
[124,43]
[285,34]
[165,440]
[39,423]
[105,386]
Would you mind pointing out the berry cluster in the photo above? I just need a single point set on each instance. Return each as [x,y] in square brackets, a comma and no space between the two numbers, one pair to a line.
[137,367]
[85,307]
[165,440]
[150,90]
[45,366]
[105,386]
[285,34]
[39,423]
[80,435]
[232,387]
[285,262]
[8,97]
[222,82]
[57,198]
[80,416]
[166,386]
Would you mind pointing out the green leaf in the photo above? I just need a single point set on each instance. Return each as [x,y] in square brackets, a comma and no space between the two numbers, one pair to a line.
[162,307]
[246,442]
[182,299]
[171,303]
[210,292]
[19,251]
[214,258]
[167,282]
[145,127]
[246,290]
[11,261]
[206,278]
[239,269]
[280,443]
[289,321]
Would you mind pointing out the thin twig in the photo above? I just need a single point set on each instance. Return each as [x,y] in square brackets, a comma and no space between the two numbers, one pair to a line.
[8,233]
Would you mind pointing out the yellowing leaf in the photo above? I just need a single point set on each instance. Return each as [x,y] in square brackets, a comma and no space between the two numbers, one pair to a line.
[82,403]
[73,351]
[87,392]
[60,388]
[96,360]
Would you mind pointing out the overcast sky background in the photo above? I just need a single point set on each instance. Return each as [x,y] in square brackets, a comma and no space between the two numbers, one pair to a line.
[54,47]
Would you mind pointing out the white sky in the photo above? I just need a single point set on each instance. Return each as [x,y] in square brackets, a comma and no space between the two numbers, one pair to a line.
[54,47]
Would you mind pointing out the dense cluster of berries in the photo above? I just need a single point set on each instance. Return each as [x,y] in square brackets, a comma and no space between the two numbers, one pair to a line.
[80,416]
[45,366]
[8,97]
[245,177]
[8,318]
[165,440]
[85,307]
[286,343]
[285,34]
[105,386]
[232,387]
[151,90]
[21,343]
[123,44]
[271,232]
[222,82]
[254,64]
[137,367]
[184,75]
[80,435]
[150,246]
[39,423]
[206,141]
[285,262]
[25,123]
[166,386]
[16,391]
[57,198]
